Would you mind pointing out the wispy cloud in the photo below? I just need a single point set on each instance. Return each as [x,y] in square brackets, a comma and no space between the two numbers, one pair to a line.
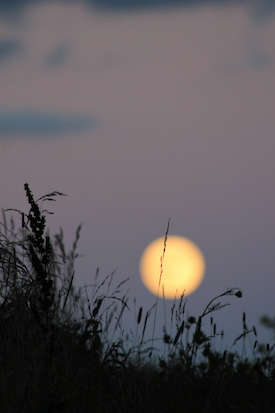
[256,61]
[34,123]
[9,48]
[260,9]
[58,55]
[138,4]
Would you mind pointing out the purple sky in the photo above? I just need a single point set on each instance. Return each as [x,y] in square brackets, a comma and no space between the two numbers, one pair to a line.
[142,116]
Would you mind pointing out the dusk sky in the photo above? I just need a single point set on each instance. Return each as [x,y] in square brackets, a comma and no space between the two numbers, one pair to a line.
[140,111]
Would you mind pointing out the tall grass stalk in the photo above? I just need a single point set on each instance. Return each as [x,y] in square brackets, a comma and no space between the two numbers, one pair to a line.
[161,272]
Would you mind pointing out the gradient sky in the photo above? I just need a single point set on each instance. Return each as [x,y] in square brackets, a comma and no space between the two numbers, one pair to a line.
[140,114]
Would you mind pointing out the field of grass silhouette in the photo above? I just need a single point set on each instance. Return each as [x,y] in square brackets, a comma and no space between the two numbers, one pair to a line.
[63,350]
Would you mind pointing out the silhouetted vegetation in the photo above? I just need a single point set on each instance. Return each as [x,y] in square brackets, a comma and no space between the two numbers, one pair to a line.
[63,350]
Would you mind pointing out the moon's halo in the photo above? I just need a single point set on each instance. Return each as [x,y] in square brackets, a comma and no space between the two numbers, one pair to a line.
[183,267]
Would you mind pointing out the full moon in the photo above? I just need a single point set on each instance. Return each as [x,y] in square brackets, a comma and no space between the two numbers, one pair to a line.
[183,267]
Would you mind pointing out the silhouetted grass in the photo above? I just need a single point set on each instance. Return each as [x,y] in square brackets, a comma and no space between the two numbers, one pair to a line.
[63,350]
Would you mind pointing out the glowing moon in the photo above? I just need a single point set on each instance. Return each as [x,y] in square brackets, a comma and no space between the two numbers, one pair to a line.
[183,267]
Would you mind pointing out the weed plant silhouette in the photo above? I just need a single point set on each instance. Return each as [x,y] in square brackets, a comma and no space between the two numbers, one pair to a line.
[63,350]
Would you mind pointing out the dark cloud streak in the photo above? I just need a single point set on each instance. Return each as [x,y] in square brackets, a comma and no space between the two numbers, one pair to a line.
[147,4]
[10,47]
[263,7]
[34,123]
[260,9]
[15,6]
